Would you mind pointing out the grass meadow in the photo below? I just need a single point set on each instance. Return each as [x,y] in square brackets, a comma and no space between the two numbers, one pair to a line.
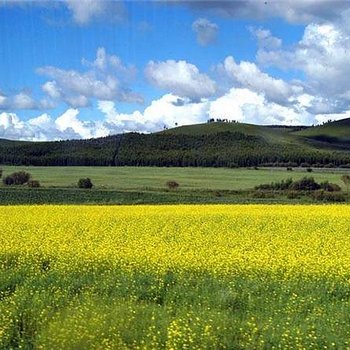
[140,178]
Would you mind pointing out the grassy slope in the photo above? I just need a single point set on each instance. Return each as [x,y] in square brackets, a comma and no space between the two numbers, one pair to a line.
[339,129]
[273,135]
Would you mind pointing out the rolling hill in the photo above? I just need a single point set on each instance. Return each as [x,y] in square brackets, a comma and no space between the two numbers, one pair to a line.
[332,133]
[217,144]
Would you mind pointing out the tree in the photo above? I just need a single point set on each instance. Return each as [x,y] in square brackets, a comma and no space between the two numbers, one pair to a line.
[172,185]
[18,178]
[346,180]
[85,183]
[33,183]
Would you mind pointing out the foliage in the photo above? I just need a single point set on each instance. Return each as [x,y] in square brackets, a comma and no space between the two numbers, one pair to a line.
[304,184]
[327,186]
[326,196]
[179,277]
[280,186]
[17,178]
[33,183]
[346,180]
[85,183]
[171,184]
[205,145]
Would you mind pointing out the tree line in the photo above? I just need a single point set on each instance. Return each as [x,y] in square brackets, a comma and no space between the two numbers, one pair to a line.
[223,149]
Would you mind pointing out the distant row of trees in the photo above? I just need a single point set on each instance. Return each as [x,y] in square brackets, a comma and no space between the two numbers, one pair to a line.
[224,149]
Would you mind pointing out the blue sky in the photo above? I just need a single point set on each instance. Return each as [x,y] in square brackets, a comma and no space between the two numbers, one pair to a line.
[88,68]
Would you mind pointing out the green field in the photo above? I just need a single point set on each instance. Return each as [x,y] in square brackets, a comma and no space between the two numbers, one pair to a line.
[146,178]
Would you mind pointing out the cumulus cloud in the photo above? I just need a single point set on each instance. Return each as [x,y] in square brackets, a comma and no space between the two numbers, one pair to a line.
[169,110]
[248,75]
[265,39]
[323,56]
[85,11]
[106,79]
[247,106]
[180,78]
[206,31]
[21,100]
[82,11]
[294,11]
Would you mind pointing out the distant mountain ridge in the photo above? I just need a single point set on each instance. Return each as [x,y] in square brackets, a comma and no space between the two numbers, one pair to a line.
[216,144]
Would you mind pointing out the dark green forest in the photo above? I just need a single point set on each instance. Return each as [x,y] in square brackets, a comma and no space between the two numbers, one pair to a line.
[216,144]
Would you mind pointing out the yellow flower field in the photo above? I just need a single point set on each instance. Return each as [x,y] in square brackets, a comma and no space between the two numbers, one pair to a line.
[185,276]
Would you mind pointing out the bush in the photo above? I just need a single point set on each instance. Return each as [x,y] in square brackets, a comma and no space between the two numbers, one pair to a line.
[327,186]
[283,185]
[305,184]
[18,178]
[85,183]
[293,195]
[8,180]
[172,184]
[322,195]
[262,194]
[33,183]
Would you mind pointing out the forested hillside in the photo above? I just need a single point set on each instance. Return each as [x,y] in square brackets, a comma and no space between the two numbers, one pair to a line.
[216,144]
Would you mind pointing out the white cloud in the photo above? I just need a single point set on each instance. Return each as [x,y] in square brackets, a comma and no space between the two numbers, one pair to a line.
[240,104]
[21,100]
[248,106]
[206,31]
[180,78]
[294,11]
[323,55]
[51,89]
[168,110]
[248,75]
[85,11]
[106,79]
[69,121]
[265,39]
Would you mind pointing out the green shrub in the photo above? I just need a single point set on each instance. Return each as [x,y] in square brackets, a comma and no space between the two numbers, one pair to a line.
[283,185]
[293,195]
[327,186]
[33,183]
[8,180]
[85,183]
[305,184]
[17,178]
[172,184]
[325,196]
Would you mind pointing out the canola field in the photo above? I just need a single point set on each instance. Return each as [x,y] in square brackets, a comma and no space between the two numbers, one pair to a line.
[175,277]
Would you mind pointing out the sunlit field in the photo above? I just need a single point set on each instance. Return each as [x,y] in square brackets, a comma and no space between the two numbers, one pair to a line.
[175,277]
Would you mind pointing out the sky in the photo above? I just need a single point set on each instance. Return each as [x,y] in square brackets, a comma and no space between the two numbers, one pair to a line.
[75,69]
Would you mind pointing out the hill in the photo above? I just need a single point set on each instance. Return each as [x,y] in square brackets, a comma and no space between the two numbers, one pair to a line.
[216,144]
[336,133]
